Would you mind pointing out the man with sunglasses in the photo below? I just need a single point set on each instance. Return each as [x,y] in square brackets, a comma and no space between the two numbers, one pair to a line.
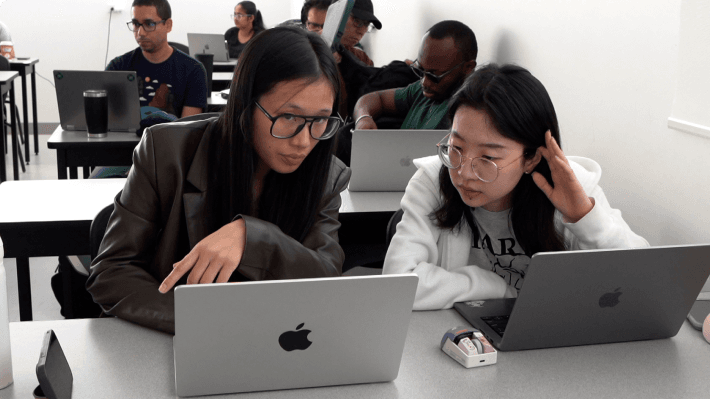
[447,54]
[171,83]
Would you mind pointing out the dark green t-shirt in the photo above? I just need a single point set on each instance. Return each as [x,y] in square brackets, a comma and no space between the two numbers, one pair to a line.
[422,112]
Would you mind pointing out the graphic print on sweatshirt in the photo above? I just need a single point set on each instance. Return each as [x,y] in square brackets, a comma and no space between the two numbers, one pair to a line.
[495,248]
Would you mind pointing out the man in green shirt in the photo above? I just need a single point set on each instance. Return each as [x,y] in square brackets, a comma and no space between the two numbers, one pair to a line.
[447,54]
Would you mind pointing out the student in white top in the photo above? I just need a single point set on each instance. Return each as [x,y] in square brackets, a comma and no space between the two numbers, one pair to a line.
[500,190]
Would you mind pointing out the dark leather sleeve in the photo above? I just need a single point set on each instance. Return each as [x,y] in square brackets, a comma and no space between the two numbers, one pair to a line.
[270,254]
[120,280]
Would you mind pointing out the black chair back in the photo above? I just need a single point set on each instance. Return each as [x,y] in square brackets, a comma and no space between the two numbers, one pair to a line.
[392,225]
[180,47]
[4,64]
[98,229]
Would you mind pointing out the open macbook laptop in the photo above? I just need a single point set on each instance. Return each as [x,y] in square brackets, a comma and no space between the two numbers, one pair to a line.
[595,296]
[208,43]
[124,114]
[283,334]
[381,160]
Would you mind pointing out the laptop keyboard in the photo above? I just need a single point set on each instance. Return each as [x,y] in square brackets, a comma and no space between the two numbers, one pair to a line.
[497,323]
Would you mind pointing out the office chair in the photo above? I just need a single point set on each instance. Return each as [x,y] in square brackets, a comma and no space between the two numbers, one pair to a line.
[392,225]
[180,47]
[69,284]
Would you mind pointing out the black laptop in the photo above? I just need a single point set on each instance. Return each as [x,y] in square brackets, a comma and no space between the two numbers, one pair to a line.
[588,297]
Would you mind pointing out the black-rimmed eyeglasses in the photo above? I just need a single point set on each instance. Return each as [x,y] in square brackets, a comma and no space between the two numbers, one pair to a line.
[434,78]
[285,126]
[148,25]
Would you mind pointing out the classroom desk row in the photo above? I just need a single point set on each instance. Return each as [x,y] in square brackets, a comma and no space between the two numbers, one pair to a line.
[53,218]
[112,358]
[21,68]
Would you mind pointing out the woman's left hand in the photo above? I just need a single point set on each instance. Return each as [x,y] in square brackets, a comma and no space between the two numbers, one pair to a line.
[567,195]
[215,257]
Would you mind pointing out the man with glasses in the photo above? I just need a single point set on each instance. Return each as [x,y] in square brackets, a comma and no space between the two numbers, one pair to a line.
[313,15]
[361,21]
[447,54]
[171,83]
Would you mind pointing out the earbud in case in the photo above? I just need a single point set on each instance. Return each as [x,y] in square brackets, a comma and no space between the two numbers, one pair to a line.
[468,347]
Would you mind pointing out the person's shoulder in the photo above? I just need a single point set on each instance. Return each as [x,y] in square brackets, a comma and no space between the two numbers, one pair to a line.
[180,133]
[231,32]
[339,174]
[125,60]
[430,166]
[587,171]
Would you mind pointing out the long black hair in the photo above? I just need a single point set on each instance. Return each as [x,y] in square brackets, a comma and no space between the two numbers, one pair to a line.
[520,109]
[250,8]
[288,200]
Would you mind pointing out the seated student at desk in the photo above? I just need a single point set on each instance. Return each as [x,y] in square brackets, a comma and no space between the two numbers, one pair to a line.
[169,80]
[251,195]
[447,55]
[248,22]
[500,191]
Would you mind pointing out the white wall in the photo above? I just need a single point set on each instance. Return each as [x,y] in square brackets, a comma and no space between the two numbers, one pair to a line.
[611,68]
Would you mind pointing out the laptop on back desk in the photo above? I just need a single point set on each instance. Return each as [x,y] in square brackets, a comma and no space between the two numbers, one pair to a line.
[124,113]
[587,297]
[381,160]
[284,334]
[208,43]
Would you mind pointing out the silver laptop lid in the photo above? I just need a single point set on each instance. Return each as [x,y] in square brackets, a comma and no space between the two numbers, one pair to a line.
[284,334]
[600,296]
[335,20]
[208,43]
[381,160]
[124,113]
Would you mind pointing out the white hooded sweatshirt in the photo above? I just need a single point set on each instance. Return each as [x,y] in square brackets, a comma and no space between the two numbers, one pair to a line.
[441,257]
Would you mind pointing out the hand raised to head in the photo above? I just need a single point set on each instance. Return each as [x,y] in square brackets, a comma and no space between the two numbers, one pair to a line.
[215,257]
[567,195]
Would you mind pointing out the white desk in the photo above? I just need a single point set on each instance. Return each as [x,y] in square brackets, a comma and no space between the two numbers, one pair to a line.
[49,218]
[111,358]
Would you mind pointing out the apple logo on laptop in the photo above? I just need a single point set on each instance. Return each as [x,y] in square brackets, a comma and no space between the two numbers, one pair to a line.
[207,46]
[610,299]
[295,340]
[406,161]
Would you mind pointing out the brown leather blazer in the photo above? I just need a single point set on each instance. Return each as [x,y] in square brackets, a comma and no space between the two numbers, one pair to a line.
[165,209]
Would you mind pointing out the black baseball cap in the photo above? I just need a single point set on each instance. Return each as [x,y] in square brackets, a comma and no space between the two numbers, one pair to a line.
[363,10]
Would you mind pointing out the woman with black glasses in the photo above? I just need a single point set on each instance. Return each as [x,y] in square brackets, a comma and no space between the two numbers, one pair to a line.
[247,23]
[499,191]
[252,194]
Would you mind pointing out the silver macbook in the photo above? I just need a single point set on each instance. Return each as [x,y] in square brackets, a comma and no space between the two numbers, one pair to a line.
[208,43]
[381,160]
[124,114]
[283,334]
[574,298]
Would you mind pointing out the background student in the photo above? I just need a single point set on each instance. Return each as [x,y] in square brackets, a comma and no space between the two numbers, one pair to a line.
[169,80]
[248,22]
[500,190]
[251,195]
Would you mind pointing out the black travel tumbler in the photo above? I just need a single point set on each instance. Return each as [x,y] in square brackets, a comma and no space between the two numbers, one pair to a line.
[96,112]
[208,61]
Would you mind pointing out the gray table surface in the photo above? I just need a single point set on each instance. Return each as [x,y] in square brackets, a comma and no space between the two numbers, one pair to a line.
[111,358]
